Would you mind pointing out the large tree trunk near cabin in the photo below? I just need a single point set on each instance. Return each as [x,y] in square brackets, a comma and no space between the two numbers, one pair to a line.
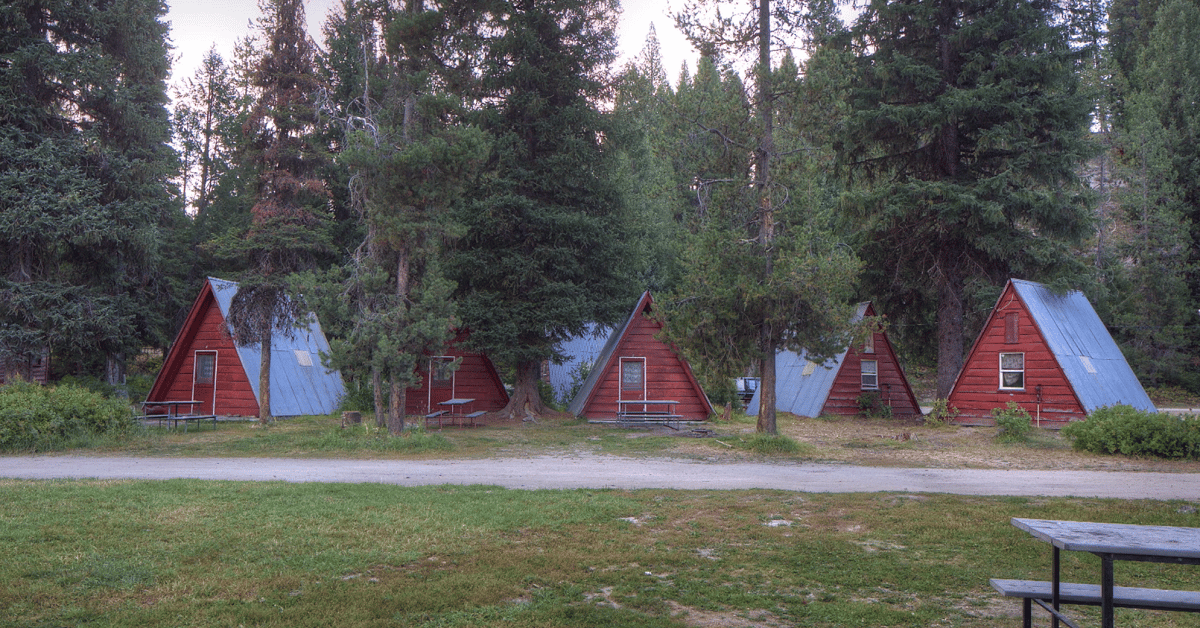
[766,388]
[264,381]
[114,371]
[399,398]
[525,402]
[949,331]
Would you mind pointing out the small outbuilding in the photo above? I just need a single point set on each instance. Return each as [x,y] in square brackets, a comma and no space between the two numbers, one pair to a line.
[857,378]
[34,367]
[475,378]
[204,365]
[1051,354]
[634,366]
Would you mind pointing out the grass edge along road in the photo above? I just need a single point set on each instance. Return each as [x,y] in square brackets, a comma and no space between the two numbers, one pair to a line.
[197,553]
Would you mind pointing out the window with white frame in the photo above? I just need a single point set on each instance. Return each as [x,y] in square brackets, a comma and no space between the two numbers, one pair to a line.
[633,374]
[870,374]
[441,372]
[1012,371]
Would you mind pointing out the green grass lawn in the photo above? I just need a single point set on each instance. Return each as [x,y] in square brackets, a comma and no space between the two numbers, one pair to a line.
[194,553]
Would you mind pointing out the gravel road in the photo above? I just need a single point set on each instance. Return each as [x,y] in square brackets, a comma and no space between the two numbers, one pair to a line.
[590,471]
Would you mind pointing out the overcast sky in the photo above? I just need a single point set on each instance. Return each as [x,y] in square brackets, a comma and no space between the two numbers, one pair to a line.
[196,25]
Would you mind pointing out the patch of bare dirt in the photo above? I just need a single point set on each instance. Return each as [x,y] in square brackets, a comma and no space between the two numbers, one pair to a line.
[908,443]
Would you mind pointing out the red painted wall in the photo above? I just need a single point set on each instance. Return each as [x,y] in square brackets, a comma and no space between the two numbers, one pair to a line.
[205,330]
[666,376]
[977,389]
[476,379]
[893,386]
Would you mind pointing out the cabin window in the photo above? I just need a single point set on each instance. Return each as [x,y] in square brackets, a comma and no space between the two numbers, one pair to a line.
[1012,371]
[870,374]
[1011,331]
[206,367]
[869,345]
[633,374]
[441,372]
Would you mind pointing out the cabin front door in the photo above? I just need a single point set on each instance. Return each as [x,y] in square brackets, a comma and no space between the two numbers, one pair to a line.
[441,381]
[204,383]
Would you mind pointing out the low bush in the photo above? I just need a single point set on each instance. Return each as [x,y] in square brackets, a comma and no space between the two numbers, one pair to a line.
[34,417]
[1126,430]
[1014,422]
[773,445]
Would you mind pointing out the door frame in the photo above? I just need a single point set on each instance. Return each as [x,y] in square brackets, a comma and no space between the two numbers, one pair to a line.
[216,361]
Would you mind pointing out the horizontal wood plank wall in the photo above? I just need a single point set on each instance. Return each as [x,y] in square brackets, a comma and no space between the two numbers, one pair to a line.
[234,395]
[666,378]
[475,379]
[843,396]
[977,390]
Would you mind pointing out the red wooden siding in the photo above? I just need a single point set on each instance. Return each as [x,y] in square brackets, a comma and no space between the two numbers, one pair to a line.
[476,378]
[893,385]
[205,330]
[977,389]
[667,377]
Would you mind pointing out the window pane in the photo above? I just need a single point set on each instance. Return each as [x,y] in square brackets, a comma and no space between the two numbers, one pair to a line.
[1012,380]
[205,365]
[631,375]
[1012,361]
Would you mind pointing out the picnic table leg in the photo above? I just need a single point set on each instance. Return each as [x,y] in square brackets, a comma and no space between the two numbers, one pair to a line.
[1106,591]
[1054,598]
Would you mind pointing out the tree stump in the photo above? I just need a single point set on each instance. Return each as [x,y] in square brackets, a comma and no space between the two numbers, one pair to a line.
[351,418]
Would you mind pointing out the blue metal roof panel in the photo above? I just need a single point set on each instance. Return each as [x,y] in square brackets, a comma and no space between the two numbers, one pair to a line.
[577,351]
[300,384]
[802,394]
[797,392]
[1086,352]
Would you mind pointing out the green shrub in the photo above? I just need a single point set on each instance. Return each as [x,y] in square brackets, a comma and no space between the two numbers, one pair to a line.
[941,413]
[1014,422]
[359,397]
[34,417]
[1126,430]
[767,444]
[871,406]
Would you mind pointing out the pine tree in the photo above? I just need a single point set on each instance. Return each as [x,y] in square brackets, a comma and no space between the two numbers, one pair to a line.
[762,272]
[288,230]
[544,249]
[84,164]
[206,129]
[969,128]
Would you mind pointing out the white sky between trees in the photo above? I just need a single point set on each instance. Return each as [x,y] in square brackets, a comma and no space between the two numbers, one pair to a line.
[196,25]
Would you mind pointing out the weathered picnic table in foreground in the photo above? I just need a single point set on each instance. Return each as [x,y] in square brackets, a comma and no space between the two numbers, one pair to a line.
[1111,542]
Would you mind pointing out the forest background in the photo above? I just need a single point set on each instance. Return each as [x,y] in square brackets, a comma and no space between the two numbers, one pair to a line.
[485,163]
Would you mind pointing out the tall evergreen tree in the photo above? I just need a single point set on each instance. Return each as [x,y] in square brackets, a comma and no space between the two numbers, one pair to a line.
[543,253]
[969,129]
[205,129]
[84,164]
[762,273]
[288,231]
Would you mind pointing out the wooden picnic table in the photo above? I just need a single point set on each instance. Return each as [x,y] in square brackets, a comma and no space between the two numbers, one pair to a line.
[454,412]
[1111,542]
[173,416]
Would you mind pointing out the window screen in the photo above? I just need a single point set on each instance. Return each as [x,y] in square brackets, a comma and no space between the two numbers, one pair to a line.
[632,374]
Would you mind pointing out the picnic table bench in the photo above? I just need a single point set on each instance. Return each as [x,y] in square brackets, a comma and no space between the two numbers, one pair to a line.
[646,412]
[172,415]
[1110,542]
[449,413]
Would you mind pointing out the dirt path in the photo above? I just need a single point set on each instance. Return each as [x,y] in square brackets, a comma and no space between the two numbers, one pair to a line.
[592,471]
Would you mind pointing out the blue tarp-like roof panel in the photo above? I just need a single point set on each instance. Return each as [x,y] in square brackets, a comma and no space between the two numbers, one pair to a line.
[1086,352]
[299,383]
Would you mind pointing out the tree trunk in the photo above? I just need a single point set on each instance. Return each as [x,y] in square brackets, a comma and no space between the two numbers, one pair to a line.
[399,397]
[264,380]
[766,387]
[950,330]
[377,397]
[114,371]
[525,401]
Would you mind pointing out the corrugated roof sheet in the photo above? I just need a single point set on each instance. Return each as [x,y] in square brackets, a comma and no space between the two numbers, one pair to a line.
[296,389]
[577,351]
[1085,350]
[802,387]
